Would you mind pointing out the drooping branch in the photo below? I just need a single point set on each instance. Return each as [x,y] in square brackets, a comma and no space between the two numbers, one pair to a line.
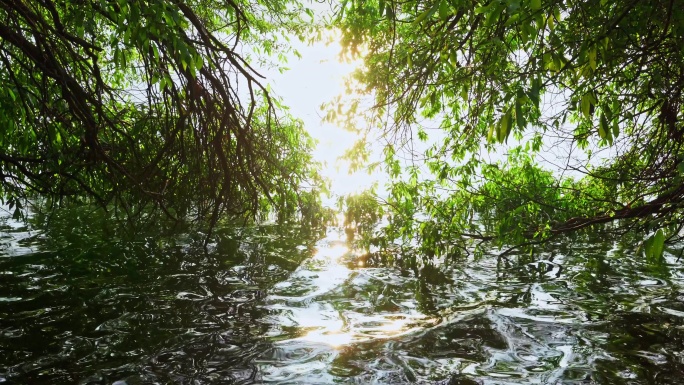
[143,105]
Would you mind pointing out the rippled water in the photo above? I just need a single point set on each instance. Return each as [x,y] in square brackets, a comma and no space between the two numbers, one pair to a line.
[279,305]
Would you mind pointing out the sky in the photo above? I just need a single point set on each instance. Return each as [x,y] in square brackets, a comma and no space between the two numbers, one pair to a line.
[317,78]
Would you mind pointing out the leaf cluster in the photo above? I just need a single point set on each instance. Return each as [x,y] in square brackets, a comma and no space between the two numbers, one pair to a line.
[143,106]
[597,84]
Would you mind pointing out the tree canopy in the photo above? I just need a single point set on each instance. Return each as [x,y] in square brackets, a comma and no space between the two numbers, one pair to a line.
[143,106]
[581,100]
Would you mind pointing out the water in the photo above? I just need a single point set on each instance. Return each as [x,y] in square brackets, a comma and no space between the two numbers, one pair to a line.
[80,304]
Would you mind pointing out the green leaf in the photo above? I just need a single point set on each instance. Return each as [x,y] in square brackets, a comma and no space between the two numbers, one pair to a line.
[422,135]
[606,110]
[535,4]
[585,106]
[199,62]
[592,98]
[453,59]
[519,117]
[534,91]
[427,13]
[658,245]
[655,245]
[483,9]
[587,103]
[592,58]
[604,129]
[495,15]
[514,19]
[443,10]
[505,125]
[680,167]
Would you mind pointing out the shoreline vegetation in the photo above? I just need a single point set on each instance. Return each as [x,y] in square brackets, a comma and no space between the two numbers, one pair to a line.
[161,109]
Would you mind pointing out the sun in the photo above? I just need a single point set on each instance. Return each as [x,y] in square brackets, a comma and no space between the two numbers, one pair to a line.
[318,77]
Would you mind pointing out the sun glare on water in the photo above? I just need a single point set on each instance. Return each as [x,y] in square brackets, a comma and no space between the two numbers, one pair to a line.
[340,326]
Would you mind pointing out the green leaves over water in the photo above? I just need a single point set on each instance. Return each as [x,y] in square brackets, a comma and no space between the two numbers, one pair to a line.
[655,245]
[554,118]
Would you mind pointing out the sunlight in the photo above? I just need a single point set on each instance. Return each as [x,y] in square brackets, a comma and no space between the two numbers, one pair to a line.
[336,335]
[393,326]
[312,81]
[333,338]
[332,253]
[336,327]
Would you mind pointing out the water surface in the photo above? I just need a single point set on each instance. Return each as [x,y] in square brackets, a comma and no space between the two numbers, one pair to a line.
[282,305]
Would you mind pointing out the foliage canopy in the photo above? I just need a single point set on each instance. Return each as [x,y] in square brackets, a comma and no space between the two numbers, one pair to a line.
[581,101]
[155,105]
[139,105]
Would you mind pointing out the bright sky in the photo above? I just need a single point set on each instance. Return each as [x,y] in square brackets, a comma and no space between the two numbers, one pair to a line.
[314,79]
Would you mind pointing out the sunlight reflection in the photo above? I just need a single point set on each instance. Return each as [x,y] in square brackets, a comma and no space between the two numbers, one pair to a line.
[384,329]
[334,299]
[343,327]
[335,339]
[333,253]
[395,326]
